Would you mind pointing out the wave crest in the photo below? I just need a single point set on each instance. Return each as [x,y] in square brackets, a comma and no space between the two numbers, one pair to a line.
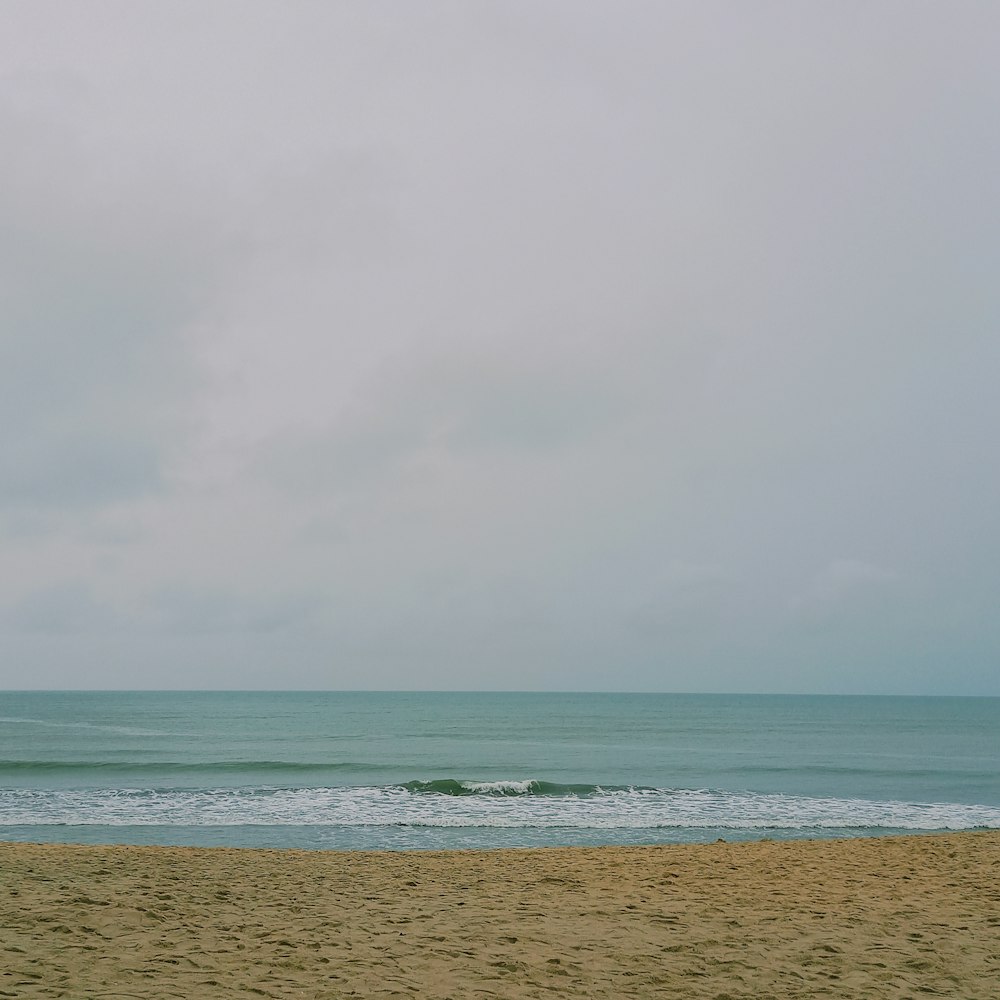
[507,788]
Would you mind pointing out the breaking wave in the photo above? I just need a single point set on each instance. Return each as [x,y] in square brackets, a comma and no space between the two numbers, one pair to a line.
[514,804]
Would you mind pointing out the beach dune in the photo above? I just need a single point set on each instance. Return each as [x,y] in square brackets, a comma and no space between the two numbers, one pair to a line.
[889,917]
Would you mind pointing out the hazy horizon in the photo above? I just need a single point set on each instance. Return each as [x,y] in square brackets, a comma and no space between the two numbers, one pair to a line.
[498,691]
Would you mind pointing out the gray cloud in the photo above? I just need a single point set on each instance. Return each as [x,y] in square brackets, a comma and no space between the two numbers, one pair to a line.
[187,611]
[505,345]
[100,277]
[61,608]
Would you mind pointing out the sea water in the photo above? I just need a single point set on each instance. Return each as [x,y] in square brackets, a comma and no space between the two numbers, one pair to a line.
[410,770]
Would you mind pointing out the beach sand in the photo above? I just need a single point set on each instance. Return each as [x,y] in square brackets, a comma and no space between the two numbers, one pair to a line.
[894,917]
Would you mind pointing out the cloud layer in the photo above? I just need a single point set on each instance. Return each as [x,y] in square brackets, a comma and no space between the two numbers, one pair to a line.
[499,346]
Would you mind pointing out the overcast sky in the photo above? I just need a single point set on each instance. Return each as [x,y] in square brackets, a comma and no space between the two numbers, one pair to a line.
[503,345]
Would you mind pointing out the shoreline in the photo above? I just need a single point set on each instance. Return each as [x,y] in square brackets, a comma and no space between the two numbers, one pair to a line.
[858,917]
[732,838]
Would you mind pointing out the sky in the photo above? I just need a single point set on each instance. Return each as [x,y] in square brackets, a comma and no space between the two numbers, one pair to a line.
[512,344]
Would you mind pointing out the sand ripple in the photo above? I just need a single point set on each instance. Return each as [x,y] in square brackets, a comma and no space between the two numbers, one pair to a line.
[893,917]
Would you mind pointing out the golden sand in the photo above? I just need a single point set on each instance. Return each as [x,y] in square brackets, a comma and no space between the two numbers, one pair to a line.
[893,917]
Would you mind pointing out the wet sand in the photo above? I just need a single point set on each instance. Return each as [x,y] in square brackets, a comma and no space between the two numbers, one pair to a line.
[892,917]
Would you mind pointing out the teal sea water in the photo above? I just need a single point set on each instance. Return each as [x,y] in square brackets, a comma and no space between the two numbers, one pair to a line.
[478,770]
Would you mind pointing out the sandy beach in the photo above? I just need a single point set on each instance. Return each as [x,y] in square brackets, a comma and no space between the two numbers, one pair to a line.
[893,917]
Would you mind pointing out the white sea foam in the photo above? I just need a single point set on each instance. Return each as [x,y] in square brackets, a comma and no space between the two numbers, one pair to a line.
[499,787]
[635,809]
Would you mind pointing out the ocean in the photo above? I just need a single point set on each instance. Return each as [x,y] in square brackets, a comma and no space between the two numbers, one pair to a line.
[432,770]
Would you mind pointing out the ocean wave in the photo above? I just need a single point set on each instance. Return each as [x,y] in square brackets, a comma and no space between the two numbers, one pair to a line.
[104,767]
[396,805]
[530,786]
